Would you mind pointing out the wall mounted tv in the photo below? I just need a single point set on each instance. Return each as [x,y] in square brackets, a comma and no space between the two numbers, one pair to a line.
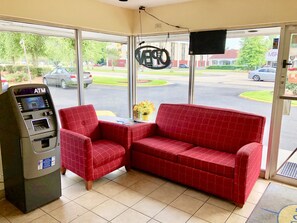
[207,42]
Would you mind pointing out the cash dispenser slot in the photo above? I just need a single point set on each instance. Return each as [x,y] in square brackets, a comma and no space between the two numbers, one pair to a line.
[45,142]
[40,124]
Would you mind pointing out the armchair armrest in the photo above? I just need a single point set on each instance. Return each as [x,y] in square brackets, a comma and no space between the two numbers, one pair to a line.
[76,153]
[247,169]
[116,132]
[142,130]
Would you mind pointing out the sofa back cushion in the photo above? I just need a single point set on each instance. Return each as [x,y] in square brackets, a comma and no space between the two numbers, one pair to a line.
[81,119]
[215,128]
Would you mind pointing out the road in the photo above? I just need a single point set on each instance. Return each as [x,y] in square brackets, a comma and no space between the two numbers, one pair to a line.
[218,89]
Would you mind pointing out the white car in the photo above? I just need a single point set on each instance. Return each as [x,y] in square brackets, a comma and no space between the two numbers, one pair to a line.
[4,84]
[263,74]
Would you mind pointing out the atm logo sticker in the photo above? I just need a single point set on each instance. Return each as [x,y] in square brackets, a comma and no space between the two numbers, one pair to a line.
[39,90]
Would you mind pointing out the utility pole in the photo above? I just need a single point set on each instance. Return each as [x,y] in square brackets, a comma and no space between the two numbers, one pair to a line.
[22,42]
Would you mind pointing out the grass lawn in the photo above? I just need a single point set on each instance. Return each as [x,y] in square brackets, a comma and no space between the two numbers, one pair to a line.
[117,81]
[263,96]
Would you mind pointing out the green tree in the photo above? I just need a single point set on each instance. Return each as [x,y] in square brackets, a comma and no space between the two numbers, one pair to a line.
[10,48]
[113,54]
[253,51]
[35,46]
[60,50]
[93,51]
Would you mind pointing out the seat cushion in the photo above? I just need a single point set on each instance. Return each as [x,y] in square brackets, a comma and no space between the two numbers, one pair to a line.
[209,160]
[105,151]
[161,147]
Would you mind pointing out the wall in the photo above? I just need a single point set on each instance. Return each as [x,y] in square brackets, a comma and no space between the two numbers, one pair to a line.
[217,14]
[87,14]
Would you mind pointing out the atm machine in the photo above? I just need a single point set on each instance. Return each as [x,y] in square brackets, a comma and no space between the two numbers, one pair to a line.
[29,146]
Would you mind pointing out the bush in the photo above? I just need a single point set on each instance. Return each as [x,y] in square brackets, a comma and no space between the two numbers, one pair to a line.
[227,67]
[17,77]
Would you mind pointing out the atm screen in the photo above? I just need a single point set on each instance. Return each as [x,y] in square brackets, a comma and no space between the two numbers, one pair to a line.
[33,103]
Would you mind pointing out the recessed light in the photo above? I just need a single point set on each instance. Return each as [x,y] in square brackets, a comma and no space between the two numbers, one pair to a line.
[123,0]
[253,31]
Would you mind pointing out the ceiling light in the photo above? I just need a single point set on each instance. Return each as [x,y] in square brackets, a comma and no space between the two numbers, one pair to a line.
[123,0]
[253,31]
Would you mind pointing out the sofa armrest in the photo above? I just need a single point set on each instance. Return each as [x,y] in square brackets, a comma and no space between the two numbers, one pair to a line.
[116,132]
[76,153]
[247,169]
[142,130]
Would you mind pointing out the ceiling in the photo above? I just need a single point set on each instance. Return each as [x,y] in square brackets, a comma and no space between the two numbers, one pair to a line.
[134,4]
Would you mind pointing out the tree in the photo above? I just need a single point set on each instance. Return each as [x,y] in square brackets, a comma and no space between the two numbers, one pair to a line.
[10,48]
[113,54]
[60,50]
[35,46]
[252,53]
[93,51]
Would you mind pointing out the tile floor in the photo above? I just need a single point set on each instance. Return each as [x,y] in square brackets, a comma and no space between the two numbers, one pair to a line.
[122,197]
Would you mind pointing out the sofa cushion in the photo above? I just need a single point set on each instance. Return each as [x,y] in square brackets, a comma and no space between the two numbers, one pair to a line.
[105,151]
[209,160]
[161,147]
[220,129]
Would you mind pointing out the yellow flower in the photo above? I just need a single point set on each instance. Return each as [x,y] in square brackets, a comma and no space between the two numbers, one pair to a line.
[144,107]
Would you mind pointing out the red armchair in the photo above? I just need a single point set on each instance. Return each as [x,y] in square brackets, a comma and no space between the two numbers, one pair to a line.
[90,147]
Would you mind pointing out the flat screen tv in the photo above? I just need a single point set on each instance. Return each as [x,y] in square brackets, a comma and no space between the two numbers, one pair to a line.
[207,42]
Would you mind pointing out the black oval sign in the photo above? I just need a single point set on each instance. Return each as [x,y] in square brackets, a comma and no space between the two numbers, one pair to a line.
[152,57]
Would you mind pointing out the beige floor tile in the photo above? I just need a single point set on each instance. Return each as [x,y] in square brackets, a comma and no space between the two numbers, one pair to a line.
[6,207]
[127,179]
[66,182]
[227,205]
[144,187]
[91,199]
[167,193]
[254,197]
[75,191]
[19,217]
[261,185]
[110,209]
[89,217]
[171,214]
[246,210]
[187,204]
[55,204]
[3,220]
[114,174]
[128,197]
[68,212]
[149,206]
[111,189]
[154,179]
[153,221]
[197,194]
[100,182]
[131,216]
[73,176]
[234,218]
[194,219]
[212,213]
[45,219]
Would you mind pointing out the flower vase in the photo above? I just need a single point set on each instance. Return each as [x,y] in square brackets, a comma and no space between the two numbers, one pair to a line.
[136,115]
[145,117]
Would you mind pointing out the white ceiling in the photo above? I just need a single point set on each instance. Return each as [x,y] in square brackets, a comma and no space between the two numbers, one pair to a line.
[134,4]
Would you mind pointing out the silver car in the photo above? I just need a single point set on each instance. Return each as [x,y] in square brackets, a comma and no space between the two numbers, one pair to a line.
[5,84]
[263,74]
[65,77]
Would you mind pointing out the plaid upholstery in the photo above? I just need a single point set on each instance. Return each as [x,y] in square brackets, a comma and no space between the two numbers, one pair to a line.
[81,119]
[247,170]
[226,161]
[161,147]
[105,151]
[209,160]
[82,150]
[76,153]
[208,182]
[220,129]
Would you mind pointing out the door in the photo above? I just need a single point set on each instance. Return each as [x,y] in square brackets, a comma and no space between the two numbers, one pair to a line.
[283,143]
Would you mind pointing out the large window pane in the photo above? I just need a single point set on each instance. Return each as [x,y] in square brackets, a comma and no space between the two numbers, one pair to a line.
[105,58]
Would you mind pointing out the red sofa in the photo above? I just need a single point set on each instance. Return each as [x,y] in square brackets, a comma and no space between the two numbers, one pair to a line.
[214,150]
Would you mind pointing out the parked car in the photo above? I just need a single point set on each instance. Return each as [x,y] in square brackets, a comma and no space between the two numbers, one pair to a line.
[65,77]
[183,66]
[5,84]
[263,74]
